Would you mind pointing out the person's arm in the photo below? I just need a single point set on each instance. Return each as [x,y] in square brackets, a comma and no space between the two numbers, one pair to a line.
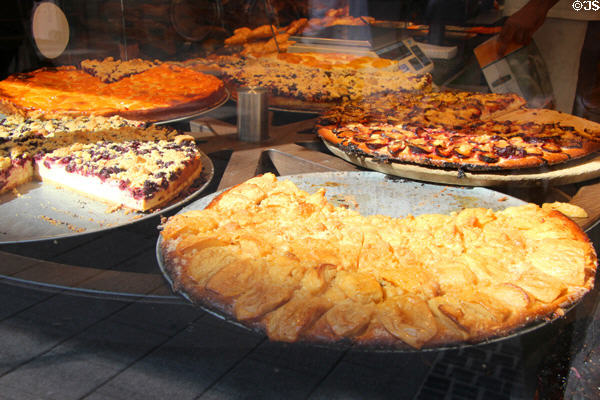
[520,27]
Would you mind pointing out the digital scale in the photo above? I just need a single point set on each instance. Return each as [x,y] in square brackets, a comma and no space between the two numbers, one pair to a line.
[366,41]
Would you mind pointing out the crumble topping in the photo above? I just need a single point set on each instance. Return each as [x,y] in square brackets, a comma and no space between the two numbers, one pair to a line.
[140,167]
[314,81]
[141,160]
[37,137]
[15,127]
[110,70]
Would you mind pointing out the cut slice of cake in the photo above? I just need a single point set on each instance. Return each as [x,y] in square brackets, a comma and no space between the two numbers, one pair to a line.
[21,138]
[138,175]
[17,127]
[15,172]
[114,161]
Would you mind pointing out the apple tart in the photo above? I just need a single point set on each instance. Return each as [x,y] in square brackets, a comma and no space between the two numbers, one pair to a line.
[291,264]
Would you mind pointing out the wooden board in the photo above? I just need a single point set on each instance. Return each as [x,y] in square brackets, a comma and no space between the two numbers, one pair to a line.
[573,172]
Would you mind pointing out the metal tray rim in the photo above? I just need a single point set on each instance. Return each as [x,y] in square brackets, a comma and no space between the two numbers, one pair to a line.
[207,174]
[377,348]
[198,113]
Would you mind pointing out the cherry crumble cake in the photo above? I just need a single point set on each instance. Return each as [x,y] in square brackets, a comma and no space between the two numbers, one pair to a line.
[111,159]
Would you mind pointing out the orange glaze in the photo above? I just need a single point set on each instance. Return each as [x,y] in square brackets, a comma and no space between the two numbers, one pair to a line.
[69,89]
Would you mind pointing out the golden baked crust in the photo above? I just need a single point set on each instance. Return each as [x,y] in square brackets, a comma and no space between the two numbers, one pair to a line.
[471,131]
[289,263]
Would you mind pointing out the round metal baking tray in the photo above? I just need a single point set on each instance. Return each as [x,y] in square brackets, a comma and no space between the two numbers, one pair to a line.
[374,193]
[295,110]
[41,211]
[196,114]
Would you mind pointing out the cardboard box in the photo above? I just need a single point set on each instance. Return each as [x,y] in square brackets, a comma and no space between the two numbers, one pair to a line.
[521,70]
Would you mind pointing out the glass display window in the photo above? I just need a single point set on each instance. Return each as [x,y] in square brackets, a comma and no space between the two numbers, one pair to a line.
[325,198]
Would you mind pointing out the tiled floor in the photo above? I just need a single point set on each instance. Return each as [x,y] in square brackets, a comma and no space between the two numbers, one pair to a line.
[58,346]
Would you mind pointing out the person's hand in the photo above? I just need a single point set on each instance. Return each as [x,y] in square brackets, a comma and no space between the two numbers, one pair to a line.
[520,27]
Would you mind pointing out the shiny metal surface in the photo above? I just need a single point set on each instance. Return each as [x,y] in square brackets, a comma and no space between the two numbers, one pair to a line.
[41,211]
[253,115]
[296,110]
[375,193]
[189,116]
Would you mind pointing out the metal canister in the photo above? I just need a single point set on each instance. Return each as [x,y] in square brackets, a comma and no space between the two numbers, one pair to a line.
[252,114]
